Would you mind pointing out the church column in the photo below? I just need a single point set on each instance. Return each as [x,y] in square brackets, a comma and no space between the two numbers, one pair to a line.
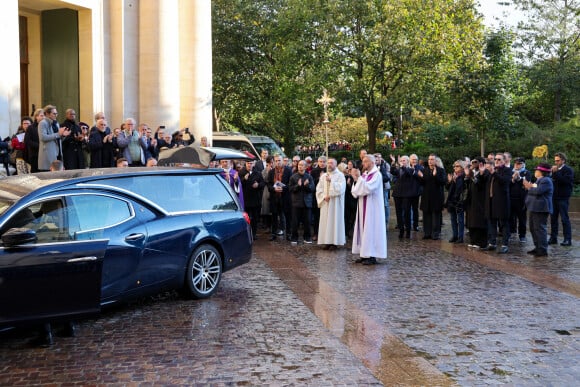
[158,64]
[121,86]
[10,79]
[196,66]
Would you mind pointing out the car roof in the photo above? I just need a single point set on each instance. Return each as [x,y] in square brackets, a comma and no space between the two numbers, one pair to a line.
[13,188]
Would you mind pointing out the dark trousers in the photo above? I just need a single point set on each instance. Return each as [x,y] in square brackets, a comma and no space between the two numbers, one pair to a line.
[254,214]
[539,230]
[518,217]
[300,215]
[432,223]
[315,218]
[561,209]
[399,211]
[492,226]
[478,236]
[415,211]
[457,217]
[278,218]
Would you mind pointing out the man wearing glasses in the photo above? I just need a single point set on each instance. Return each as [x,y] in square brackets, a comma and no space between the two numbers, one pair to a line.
[497,203]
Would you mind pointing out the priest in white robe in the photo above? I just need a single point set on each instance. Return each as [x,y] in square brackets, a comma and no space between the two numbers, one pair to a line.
[369,239]
[330,198]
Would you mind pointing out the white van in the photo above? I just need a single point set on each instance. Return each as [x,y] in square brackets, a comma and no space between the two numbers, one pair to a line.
[246,143]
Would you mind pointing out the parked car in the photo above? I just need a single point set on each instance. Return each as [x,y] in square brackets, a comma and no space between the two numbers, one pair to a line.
[74,241]
[246,143]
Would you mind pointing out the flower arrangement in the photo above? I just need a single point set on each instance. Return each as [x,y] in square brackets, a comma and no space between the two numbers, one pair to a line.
[540,152]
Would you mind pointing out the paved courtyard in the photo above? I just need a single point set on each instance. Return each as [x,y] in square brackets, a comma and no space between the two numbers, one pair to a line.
[433,314]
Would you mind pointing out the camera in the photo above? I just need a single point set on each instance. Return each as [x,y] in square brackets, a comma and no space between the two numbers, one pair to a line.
[186,130]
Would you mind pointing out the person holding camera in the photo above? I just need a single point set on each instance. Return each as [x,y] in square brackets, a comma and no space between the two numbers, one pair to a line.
[518,195]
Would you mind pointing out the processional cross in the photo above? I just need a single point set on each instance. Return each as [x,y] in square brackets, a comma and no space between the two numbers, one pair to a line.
[325,101]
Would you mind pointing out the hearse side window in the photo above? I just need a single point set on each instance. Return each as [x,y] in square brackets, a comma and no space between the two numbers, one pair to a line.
[95,212]
[48,218]
[180,193]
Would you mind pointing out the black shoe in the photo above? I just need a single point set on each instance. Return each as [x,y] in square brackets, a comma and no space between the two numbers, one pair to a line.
[370,261]
[490,247]
[360,260]
[541,253]
[552,241]
[70,330]
[453,240]
[503,250]
[427,237]
[273,238]
[533,251]
[401,234]
[459,240]
[435,238]
[415,228]
[566,243]
[332,247]
[408,235]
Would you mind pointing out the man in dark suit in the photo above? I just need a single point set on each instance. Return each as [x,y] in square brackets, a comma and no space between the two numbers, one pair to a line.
[563,178]
[497,203]
[261,164]
[433,180]
[277,182]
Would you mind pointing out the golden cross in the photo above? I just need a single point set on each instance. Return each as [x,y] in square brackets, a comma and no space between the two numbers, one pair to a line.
[325,101]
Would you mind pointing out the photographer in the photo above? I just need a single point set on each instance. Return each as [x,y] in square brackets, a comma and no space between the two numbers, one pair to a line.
[518,195]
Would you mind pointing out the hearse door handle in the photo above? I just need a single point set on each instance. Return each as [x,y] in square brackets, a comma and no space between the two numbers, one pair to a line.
[82,259]
[134,237]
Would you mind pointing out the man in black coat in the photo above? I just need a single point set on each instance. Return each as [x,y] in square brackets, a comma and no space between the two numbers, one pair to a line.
[301,192]
[277,183]
[252,184]
[405,190]
[73,155]
[497,204]
[433,180]
[563,178]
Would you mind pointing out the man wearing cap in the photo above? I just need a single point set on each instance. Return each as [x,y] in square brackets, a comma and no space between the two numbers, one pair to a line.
[518,195]
[563,178]
[539,203]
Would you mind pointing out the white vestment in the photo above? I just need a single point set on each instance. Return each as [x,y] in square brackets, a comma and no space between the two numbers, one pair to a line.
[370,235]
[331,223]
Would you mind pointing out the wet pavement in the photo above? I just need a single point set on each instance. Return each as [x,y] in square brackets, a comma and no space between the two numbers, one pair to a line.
[432,314]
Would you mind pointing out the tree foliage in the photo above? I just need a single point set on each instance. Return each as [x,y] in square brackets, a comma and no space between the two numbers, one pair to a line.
[550,42]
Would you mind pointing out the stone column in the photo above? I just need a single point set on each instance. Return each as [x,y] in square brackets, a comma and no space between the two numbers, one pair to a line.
[122,84]
[196,66]
[158,64]
[10,79]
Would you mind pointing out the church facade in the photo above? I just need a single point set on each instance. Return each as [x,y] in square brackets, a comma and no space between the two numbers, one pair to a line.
[146,59]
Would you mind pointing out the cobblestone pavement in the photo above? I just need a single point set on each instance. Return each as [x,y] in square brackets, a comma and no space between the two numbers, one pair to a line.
[432,314]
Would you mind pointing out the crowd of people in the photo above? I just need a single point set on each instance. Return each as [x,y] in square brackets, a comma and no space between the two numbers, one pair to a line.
[42,139]
[329,200]
[489,199]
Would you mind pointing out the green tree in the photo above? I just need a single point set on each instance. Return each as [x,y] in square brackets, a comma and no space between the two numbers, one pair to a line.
[485,93]
[389,53]
[550,42]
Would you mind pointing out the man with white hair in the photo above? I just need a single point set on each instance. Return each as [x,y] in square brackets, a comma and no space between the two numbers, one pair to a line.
[369,239]
[330,198]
